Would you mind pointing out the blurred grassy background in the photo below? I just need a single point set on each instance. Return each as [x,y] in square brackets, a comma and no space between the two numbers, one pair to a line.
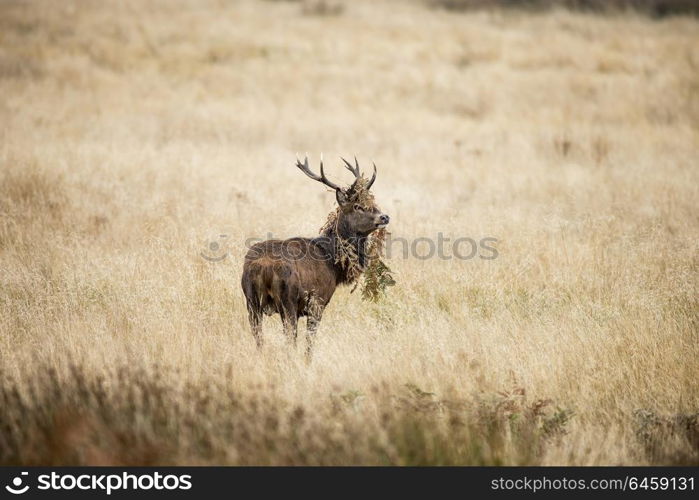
[135,132]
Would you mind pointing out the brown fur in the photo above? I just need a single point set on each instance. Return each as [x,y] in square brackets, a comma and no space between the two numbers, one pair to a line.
[297,277]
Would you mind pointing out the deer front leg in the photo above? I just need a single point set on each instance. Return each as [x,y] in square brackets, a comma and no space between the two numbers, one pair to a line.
[290,329]
[311,328]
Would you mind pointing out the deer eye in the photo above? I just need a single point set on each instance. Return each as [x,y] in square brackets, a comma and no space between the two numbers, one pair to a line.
[358,207]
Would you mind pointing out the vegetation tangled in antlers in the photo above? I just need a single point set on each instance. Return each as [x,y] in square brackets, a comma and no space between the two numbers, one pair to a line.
[377,275]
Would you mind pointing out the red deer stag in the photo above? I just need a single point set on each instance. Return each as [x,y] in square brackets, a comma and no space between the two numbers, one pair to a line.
[298,276]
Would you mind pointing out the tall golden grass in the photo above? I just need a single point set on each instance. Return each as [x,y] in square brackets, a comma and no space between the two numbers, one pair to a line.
[135,133]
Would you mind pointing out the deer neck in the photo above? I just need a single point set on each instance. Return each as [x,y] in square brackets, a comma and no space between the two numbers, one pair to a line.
[343,242]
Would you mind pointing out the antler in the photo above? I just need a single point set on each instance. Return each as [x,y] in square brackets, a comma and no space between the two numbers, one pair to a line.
[373,177]
[355,170]
[320,178]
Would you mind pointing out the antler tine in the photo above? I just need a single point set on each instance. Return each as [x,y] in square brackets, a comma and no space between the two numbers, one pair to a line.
[373,177]
[303,167]
[349,167]
[324,179]
[355,170]
[320,178]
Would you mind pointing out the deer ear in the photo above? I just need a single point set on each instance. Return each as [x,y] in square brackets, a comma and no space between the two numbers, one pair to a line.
[341,197]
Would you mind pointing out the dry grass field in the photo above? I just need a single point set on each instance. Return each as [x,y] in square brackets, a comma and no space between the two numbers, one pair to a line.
[133,134]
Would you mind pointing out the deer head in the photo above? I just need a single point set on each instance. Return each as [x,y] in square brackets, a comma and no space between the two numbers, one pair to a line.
[355,218]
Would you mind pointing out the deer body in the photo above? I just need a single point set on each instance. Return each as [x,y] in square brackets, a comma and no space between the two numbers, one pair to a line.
[297,277]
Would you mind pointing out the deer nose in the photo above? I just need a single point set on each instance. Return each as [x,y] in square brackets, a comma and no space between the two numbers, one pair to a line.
[384,219]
